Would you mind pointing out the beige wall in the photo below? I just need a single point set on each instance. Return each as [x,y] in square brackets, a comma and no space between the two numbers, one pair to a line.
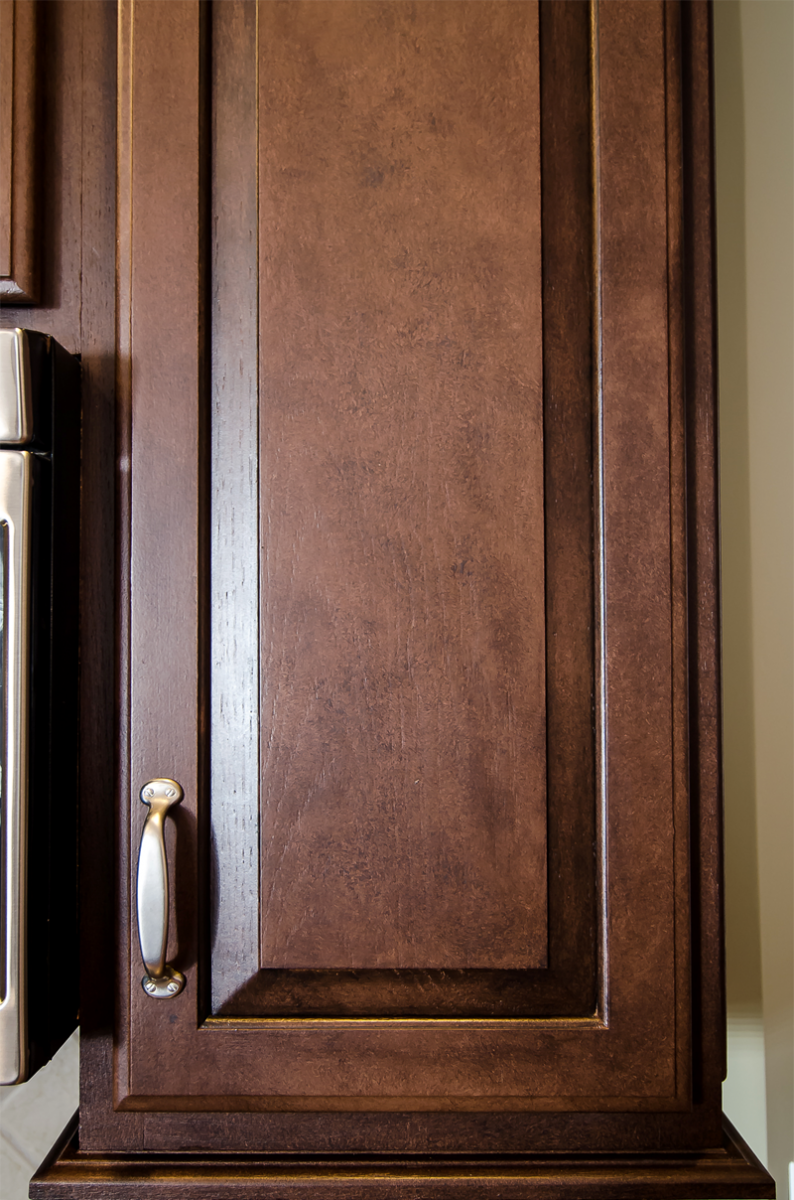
[754,59]
[744,1095]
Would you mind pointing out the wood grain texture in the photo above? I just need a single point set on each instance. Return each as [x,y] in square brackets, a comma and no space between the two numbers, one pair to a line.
[624,1057]
[640,699]
[705,754]
[96,1123]
[6,133]
[241,1049]
[60,113]
[234,433]
[76,62]
[403,697]
[163,305]
[77,286]
[18,182]
[678,531]
[730,1170]
[566,986]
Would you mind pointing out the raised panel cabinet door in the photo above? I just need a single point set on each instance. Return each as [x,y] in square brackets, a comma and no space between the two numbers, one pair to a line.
[362,904]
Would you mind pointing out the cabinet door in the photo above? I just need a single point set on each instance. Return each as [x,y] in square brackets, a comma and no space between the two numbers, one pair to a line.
[18,190]
[404,573]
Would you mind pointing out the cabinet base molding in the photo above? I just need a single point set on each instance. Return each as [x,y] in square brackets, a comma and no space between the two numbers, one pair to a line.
[730,1172]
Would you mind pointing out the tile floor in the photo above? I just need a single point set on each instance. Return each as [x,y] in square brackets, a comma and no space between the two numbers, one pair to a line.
[32,1116]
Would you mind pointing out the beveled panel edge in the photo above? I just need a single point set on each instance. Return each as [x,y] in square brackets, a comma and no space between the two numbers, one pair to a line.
[232,948]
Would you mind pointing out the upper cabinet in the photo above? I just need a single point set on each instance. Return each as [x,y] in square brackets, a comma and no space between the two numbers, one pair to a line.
[417,630]
[18,88]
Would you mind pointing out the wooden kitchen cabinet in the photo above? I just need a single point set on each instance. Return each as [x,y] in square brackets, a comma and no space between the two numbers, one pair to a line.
[416,598]
[18,266]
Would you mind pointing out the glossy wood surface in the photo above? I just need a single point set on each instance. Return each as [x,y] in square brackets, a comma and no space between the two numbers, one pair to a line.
[20,80]
[401,472]
[425,1082]
[233,817]
[624,1047]
[568,983]
[6,133]
[702,481]
[76,60]
[728,1170]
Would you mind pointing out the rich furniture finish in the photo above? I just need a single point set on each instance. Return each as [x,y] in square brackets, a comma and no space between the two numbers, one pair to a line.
[729,1169]
[416,601]
[18,191]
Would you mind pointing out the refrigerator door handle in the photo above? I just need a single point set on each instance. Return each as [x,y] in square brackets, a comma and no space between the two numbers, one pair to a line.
[16,494]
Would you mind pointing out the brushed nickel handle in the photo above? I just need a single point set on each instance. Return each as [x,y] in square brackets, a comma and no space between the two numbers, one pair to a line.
[160,980]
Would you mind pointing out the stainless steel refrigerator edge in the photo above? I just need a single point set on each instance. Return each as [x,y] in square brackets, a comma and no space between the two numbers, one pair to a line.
[39,532]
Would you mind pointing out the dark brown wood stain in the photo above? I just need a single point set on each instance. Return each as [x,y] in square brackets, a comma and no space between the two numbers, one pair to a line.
[601,1075]
[401,468]
[20,144]
[567,986]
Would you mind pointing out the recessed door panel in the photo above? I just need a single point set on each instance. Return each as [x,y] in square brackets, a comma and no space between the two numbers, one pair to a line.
[398,490]
[403,735]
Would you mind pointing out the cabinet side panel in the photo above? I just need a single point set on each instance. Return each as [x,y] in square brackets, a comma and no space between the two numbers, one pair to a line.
[703,535]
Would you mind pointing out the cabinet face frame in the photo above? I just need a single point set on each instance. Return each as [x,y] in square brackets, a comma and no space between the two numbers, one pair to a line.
[160,325]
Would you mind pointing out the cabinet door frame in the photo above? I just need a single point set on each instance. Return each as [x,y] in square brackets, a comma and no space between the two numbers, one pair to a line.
[162,385]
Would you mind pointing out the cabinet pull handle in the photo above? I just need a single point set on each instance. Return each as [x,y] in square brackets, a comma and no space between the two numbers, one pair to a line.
[161,980]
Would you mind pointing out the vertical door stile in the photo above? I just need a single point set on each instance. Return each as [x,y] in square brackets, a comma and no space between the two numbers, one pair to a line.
[165,364]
